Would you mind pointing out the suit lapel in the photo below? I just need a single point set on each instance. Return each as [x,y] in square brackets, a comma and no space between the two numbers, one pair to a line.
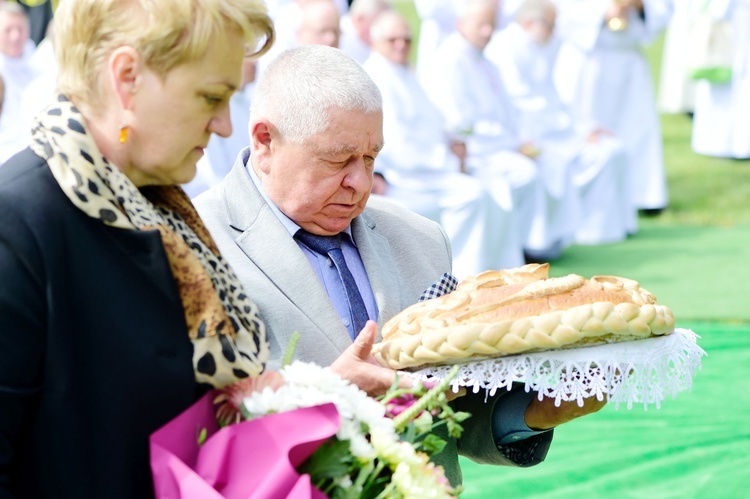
[376,254]
[268,245]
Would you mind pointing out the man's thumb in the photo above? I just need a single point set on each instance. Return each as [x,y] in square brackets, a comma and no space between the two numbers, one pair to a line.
[362,346]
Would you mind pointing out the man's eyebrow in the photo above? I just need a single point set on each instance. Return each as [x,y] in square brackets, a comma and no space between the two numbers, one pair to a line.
[334,149]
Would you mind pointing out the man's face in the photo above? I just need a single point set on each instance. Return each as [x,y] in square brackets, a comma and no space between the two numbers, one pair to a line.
[541,30]
[395,43]
[320,25]
[14,33]
[477,25]
[324,183]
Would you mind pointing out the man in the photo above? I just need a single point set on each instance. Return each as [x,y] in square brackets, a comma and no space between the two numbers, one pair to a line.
[315,131]
[465,86]
[607,79]
[17,71]
[319,24]
[525,54]
[355,27]
[422,171]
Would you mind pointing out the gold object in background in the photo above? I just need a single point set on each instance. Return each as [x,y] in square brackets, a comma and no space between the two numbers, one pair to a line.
[617,24]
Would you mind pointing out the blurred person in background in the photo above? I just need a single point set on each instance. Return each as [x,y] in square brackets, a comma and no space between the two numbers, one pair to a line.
[468,90]
[355,27]
[525,54]
[609,82]
[319,24]
[18,72]
[424,166]
[721,125]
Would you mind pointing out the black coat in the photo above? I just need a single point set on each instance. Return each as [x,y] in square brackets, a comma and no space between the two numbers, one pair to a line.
[94,354]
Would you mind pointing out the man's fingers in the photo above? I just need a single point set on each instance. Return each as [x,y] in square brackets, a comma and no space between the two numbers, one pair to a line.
[451,395]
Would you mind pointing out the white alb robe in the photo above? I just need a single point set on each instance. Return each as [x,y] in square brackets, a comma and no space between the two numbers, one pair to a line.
[676,89]
[599,168]
[350,43]
[423,175]
[613,86]
[17,73]
[721,124]
[466,87]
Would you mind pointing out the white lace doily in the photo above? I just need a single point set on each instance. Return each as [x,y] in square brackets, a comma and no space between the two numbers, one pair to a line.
[634,372]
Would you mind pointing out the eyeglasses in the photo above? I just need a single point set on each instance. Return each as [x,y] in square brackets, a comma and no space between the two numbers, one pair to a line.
[394,39]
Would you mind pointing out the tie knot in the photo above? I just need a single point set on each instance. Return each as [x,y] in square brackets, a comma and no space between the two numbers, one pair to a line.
[320,244]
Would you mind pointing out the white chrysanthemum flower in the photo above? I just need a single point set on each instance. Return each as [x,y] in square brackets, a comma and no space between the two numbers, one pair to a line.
[417,483]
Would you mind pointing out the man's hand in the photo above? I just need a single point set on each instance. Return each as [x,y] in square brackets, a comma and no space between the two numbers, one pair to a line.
[542,414]
[458,147]
[358,366]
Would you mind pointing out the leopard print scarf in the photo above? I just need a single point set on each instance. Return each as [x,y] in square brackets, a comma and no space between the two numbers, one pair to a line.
[228,336]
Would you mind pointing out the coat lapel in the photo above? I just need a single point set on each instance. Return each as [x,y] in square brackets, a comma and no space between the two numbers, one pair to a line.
[376,253]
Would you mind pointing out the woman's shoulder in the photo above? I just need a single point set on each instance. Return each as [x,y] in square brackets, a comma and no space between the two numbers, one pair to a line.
[27,186]
[22,172]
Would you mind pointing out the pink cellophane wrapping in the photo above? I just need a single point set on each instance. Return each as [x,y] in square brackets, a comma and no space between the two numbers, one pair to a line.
[252,459]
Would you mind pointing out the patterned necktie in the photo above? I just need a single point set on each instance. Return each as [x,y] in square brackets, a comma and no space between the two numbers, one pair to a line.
[331,246]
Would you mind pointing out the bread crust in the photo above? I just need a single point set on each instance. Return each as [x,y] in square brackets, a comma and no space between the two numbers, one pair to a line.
[498,313]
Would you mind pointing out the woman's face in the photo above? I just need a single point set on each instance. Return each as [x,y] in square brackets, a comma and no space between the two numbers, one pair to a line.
[173,117]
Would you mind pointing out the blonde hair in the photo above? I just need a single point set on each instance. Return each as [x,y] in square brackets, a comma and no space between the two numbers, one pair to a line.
[166,33]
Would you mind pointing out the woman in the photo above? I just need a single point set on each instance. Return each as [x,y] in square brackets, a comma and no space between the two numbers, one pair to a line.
[117,311]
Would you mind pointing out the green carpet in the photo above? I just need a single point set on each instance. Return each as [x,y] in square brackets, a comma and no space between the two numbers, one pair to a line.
[701,273]
[695,446]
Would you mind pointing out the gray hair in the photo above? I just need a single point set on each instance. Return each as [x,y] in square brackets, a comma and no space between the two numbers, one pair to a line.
[368,7]
[533,10]
[299,88]
[382,24]
[467,7]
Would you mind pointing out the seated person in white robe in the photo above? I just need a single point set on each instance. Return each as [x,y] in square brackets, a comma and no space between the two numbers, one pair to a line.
[525,53]
[355,27]
[466,87]
[613,84]
[320,24]
[422,171]
[16,69]
[721,125]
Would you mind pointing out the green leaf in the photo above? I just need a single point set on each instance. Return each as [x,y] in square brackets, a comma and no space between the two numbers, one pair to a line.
[331,460]
[432,444]
[291,347]
[202,436]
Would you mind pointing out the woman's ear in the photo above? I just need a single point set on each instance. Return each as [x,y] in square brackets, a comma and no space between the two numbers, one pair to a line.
[125,67]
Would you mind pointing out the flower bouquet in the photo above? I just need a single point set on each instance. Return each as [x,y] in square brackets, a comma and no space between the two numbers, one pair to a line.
[305,432]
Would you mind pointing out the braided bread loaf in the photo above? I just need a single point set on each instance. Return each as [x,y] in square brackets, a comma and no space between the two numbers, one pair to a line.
[519,310]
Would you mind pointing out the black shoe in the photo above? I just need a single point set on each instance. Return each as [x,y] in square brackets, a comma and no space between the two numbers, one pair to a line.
[651,212]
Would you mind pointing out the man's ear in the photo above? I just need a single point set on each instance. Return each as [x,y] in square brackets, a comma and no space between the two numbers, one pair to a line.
[125,68]
[263,138]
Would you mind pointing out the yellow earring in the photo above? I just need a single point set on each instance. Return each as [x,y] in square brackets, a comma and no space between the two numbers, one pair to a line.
[124,133]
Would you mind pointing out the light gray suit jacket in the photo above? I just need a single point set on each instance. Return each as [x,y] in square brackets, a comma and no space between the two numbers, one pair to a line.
[403,254]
